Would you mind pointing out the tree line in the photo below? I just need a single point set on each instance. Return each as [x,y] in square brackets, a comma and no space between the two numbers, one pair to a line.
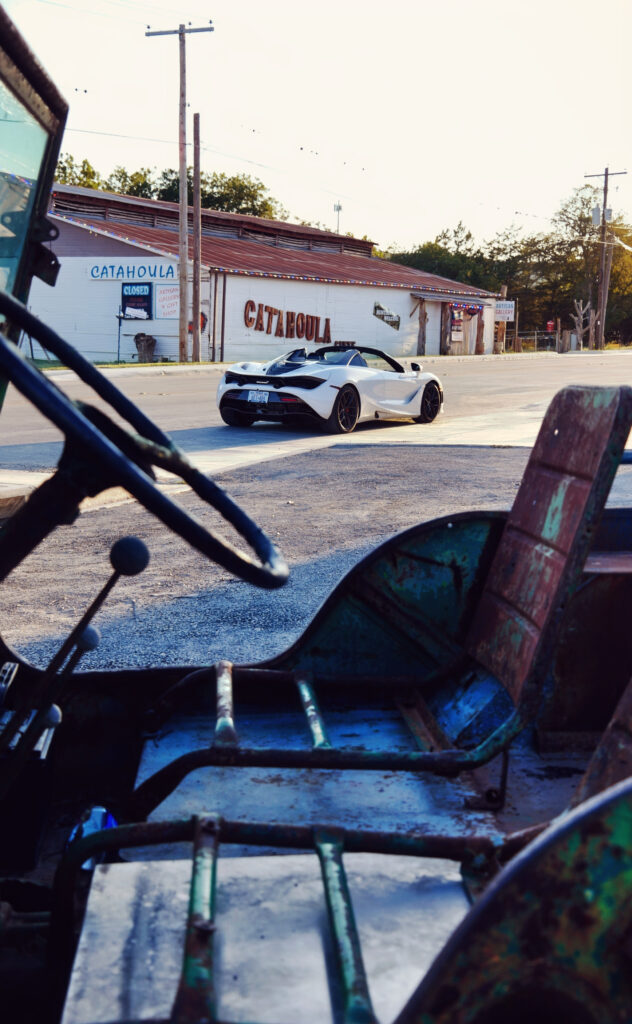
[551,274]
[232,193]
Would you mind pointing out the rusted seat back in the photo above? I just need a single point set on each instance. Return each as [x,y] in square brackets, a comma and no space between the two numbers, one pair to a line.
[548,535]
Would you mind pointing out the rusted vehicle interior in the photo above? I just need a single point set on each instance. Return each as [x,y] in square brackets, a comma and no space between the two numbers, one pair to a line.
[420,812]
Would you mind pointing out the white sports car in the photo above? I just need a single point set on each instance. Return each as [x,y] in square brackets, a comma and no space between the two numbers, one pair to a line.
[338,386]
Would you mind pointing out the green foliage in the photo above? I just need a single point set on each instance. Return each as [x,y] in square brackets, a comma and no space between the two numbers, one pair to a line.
[139,183]
[235,193]
[69,172]
[544,272]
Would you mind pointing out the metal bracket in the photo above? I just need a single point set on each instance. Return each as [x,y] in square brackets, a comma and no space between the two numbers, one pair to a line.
[493,799]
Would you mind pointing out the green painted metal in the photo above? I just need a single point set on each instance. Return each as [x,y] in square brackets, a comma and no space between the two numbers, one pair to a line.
[313,715]
[550,939]
[196,999]
[405,609]
[357,1001]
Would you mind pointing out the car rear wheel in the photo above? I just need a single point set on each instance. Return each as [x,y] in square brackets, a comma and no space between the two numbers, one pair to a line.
[236,419]
[430,403]
[346,411]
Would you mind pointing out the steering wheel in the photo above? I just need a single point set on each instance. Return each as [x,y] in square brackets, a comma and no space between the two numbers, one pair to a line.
[113,456]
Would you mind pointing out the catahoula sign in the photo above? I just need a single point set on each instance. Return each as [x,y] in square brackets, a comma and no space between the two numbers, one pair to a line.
[286,323]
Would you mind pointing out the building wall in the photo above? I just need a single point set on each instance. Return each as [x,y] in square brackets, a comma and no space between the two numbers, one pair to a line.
[343,313]
[83,305]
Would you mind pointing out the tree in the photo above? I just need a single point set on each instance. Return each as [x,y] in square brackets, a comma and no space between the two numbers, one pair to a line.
[139,183]
[69,172]
[235,193]
[547,272]
[455,255]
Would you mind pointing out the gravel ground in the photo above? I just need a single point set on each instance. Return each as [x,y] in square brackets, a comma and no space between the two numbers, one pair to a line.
[326,509]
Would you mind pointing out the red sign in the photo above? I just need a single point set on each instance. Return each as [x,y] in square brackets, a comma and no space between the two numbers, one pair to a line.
[550,326]
[288,325]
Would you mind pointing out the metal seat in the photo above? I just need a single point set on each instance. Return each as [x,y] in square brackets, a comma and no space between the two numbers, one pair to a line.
[454,622]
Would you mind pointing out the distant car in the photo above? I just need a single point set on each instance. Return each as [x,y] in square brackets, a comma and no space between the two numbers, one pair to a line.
[336,386]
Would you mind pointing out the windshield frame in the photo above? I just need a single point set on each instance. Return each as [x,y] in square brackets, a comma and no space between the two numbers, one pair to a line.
[26,79]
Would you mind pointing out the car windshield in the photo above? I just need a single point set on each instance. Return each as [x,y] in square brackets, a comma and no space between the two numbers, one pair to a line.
[338,356]
[300,357]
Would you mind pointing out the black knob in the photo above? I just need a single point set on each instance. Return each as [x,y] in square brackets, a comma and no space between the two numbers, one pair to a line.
[89,639]
[129,556]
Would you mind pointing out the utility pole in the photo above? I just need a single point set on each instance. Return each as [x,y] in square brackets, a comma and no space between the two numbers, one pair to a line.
[197,241]
[602,298]
[182,31]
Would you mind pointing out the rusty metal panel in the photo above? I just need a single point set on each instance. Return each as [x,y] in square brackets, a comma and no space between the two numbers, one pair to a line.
[559,502]
[549,940]
[528,577]
[592,662]
[612,760]
[243,256]
[505,641]
[406,608]
[550,505]
[573,430]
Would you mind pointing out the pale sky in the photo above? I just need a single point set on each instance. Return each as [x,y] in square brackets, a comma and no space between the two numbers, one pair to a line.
[411,114]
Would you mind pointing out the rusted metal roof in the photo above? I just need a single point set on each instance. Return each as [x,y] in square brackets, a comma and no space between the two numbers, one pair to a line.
[98,205]
[265,259]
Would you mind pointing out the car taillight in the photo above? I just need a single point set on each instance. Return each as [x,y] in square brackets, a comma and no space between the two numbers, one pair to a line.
[290,398]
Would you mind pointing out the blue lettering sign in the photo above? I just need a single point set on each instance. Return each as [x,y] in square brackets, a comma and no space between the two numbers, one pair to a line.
[112,271]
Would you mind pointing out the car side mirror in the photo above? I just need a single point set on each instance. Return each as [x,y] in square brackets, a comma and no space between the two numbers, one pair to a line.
[416,367]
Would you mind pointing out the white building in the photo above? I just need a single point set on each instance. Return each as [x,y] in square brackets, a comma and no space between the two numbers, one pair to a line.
[267,287]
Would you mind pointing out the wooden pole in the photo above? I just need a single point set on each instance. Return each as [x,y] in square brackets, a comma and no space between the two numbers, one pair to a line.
[606,286]
[183,265]
[446,326]
[517,342]
[183,256]
[601,300]
[592,316]
[421,333]
[197,240]
[501,327]
[479,347]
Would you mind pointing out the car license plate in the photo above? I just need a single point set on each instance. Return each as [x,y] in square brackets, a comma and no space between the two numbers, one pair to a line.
[258,396]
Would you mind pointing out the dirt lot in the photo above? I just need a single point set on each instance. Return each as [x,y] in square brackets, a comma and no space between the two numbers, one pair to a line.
[325,509]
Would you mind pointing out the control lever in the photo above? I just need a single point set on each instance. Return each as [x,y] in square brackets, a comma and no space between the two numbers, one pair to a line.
[128,556]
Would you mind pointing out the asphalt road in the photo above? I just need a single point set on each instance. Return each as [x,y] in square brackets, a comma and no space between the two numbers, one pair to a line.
[491,400]
[328,502]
